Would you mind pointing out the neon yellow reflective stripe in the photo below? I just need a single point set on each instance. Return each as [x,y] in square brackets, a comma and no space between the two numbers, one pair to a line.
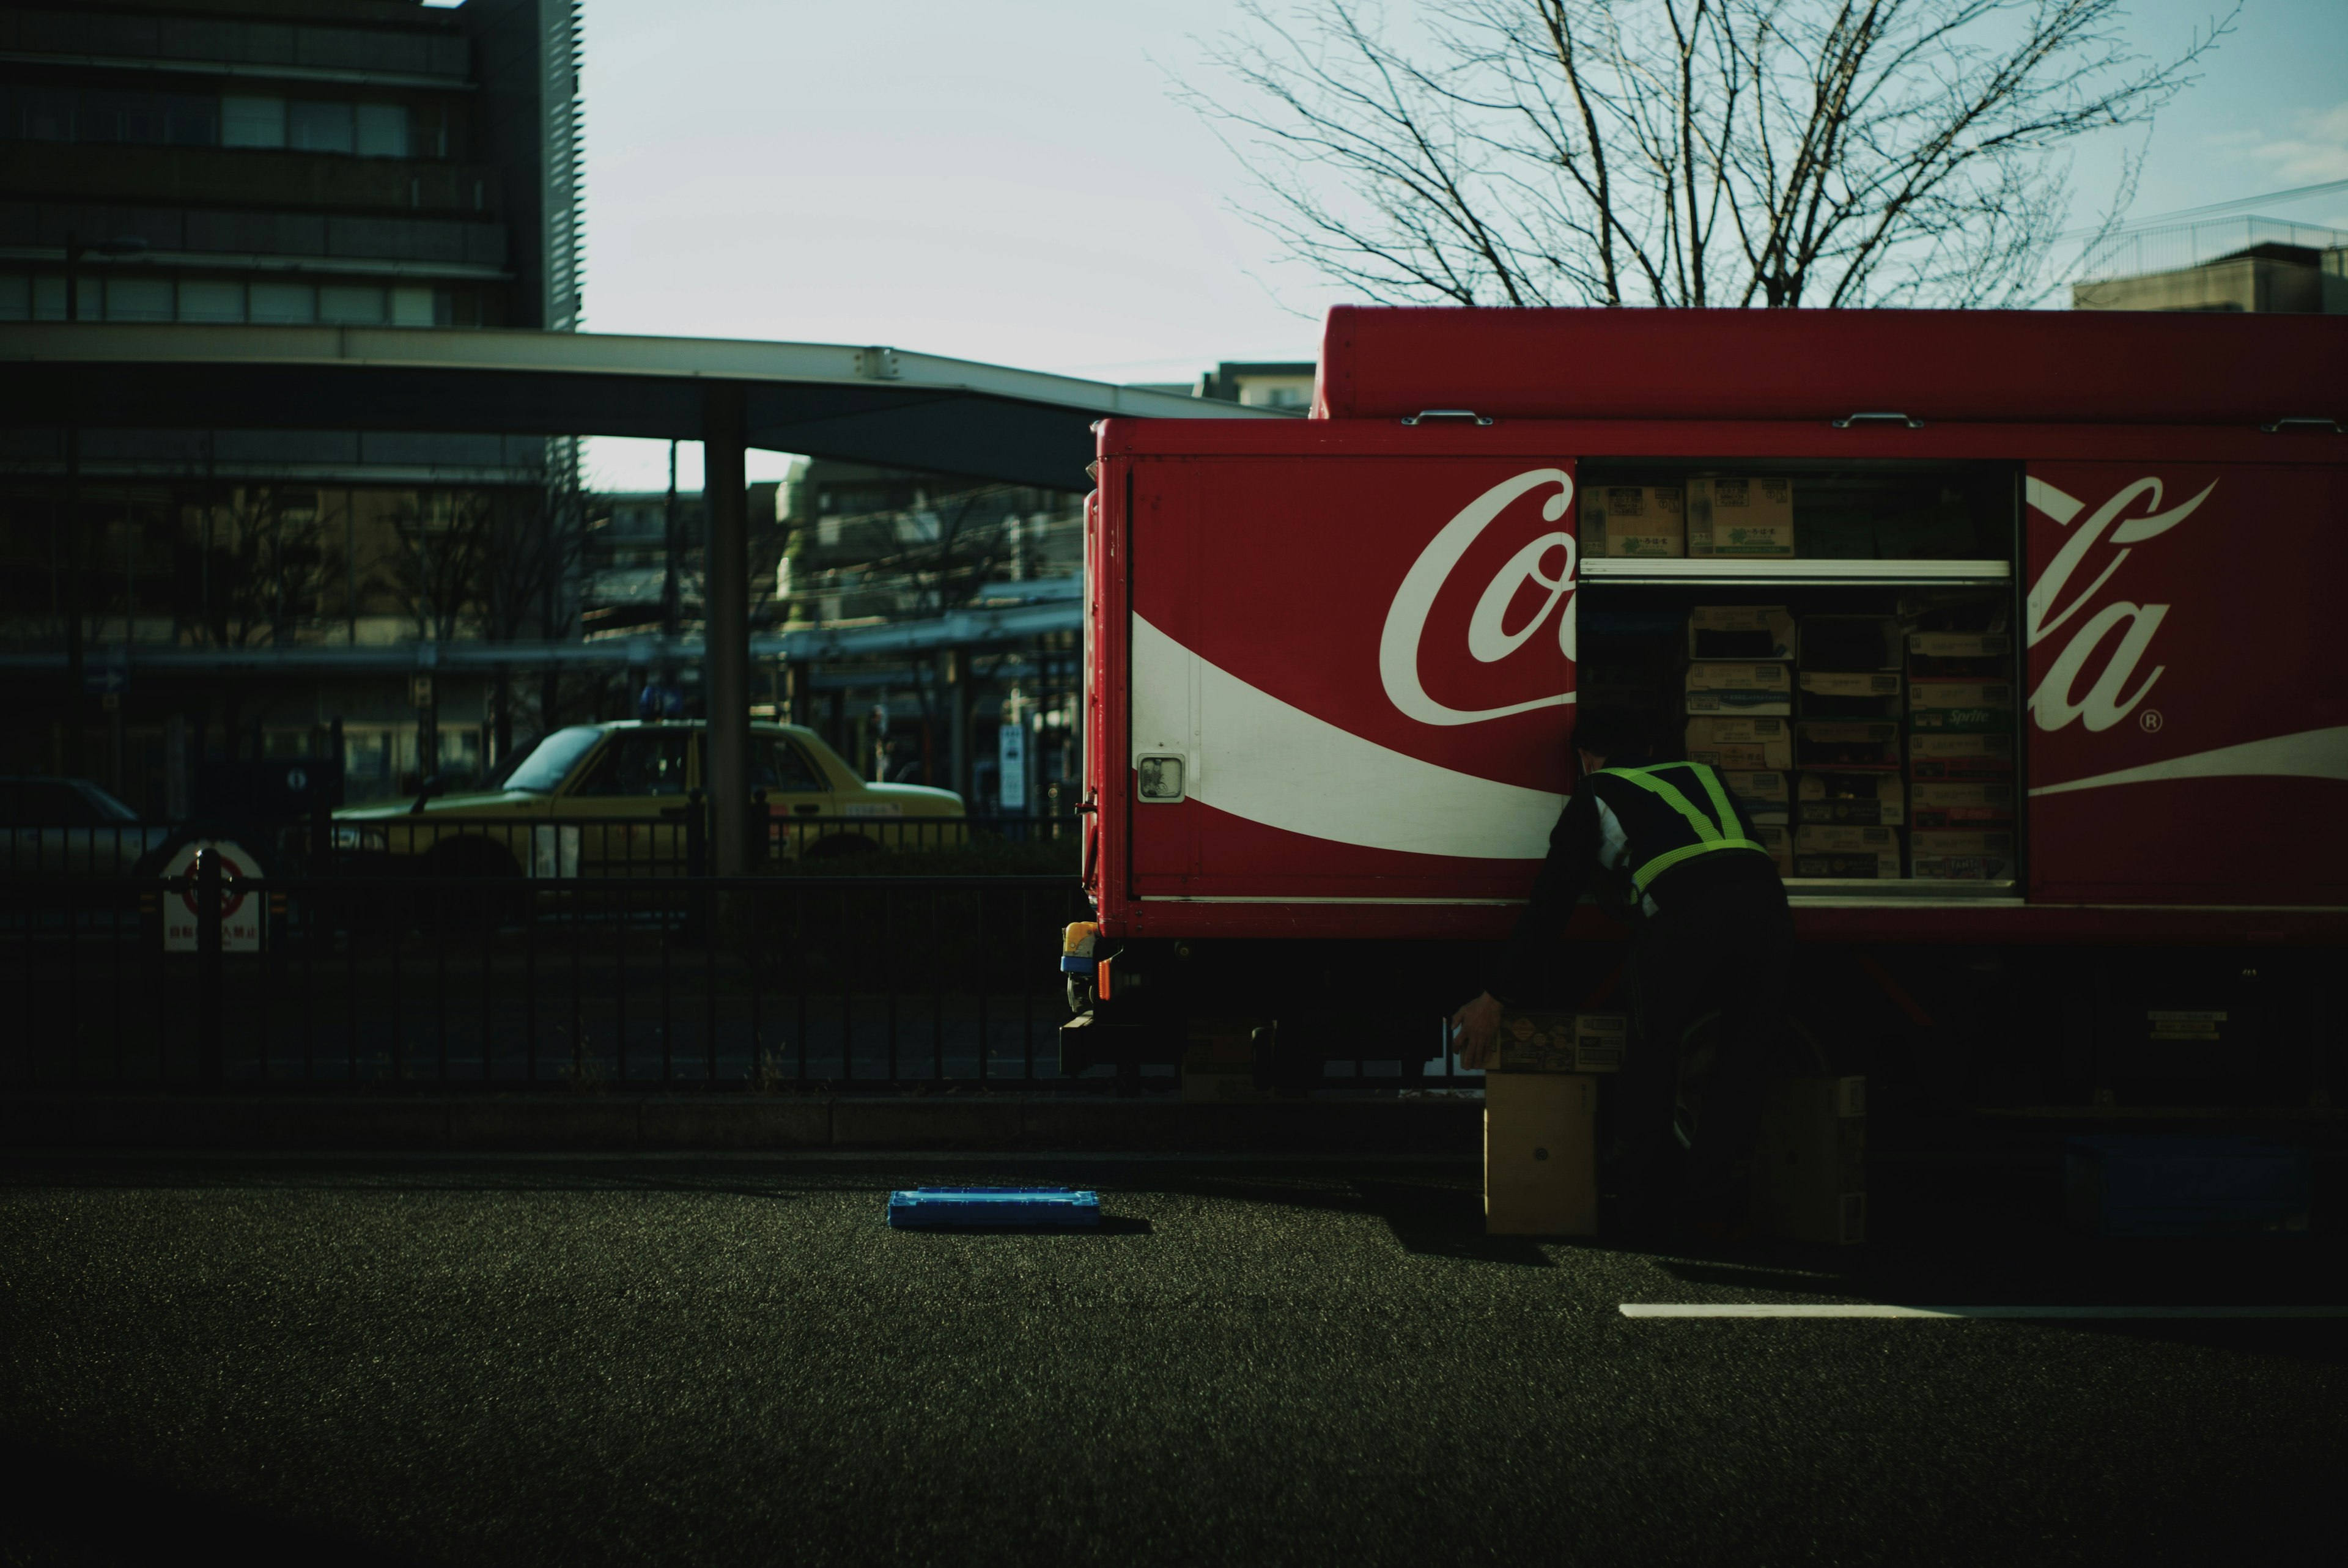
[1671,797]
[1646,874]
[1709,837]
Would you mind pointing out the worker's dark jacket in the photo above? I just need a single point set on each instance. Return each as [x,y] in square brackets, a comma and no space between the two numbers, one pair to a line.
[1620,823]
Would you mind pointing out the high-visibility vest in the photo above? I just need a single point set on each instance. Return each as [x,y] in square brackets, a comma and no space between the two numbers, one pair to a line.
[1704,834]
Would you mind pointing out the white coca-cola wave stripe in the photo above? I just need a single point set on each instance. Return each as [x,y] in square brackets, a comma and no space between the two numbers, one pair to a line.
[1255,756]
[2309,755]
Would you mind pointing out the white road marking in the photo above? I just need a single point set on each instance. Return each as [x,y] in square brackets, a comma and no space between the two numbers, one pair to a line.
[1873,1309]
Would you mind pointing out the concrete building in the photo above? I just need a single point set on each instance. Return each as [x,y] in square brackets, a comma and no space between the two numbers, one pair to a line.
[2254,264]
[257,163]
[872,545]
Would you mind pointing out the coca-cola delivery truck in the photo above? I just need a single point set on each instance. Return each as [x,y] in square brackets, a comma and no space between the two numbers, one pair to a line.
[2020,634]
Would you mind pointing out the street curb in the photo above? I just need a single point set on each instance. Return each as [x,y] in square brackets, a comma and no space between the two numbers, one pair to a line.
[602,1123]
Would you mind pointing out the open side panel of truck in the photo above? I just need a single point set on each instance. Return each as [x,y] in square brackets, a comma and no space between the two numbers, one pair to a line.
[1350,684]
[2187,715]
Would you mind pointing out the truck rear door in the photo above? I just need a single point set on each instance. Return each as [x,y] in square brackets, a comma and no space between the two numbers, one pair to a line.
[1349,677]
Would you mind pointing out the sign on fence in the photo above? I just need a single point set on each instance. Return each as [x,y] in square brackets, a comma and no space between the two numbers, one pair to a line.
[243,906]
[553,851]
[1011,757]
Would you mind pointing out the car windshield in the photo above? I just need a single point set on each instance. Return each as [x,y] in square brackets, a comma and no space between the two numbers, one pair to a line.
[551,762]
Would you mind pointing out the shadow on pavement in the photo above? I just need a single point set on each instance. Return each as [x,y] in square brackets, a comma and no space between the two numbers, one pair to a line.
[74,1513]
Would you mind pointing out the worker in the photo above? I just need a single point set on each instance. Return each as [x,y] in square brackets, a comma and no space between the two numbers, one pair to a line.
[1710,931]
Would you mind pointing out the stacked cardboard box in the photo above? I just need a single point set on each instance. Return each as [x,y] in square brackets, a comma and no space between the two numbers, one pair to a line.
[1540,1102]
[1849,811]
[1638,520]
[1961,779]
[1746,518]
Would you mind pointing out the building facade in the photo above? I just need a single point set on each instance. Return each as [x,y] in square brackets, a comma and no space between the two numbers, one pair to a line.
[253,163]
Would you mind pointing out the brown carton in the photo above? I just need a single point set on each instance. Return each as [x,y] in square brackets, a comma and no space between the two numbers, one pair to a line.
[1809,1163]
[1759,788]
[1829,838]
[1734,743]
[1638,520]
[1845,746]
[1741,631]
[1961,756]
[1780,842]
[1740,517]
[1728,686]
[1971,802]
[1964,854]
[1863,800]
[1561,1043]
[1540,1158]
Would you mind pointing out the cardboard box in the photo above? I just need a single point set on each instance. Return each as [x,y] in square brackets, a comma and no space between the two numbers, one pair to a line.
[1969,803]
[1561,1042]
[1954,756]
[1840,745]
[1742,631]
[1947,706]
[1727,686]
[1741,744]
[2167,1186]
[1850,644]
[1845,838]
[1961,854]
[1540,1154]
[1639,520]
[1879,867]
[1780,842]
[1961,644]
[1850,695]
[1740,518]
[1810,1162]
[1760,789]
[1864,800]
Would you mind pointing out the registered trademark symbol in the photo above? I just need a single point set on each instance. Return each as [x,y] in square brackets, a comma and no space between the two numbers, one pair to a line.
[2151,721]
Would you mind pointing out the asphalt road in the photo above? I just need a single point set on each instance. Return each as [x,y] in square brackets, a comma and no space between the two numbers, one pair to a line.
[686,1360]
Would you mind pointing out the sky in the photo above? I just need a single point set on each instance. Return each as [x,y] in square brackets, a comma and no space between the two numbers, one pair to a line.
[1011,180]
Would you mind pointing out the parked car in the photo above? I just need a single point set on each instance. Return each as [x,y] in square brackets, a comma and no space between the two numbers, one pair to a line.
[612,799]
[70,827]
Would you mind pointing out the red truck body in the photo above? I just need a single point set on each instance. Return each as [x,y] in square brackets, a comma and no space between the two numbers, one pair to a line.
[1332,664]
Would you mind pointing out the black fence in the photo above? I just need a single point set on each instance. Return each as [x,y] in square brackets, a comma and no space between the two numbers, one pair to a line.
[672,843]
[642,981]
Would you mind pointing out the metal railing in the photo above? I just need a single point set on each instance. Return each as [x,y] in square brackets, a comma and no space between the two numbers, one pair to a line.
[644,981]
[673,843]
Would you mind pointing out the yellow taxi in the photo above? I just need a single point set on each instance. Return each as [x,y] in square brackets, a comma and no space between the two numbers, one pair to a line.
[603,800]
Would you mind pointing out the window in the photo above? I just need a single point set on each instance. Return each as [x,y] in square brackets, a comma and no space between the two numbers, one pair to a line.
[253,122]
[412,308]
[552,760]
[343,305]
[776,765]
[383,130]
[211,300]
[313,127]
[15,297]
[46,117]
[138,299]
[283,304]
[638,762]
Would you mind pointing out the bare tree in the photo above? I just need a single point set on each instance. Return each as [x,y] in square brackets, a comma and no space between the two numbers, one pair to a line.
[255,565]
[1683,152]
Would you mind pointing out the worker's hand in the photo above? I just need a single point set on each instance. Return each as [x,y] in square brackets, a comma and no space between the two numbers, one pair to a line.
[1473,1029]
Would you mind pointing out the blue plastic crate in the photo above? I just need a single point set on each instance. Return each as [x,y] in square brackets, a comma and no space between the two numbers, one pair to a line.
[937,1208]
[2186,1186]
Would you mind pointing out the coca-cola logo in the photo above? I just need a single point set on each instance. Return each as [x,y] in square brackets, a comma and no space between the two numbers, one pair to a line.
[1545,565]
[2075,686]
